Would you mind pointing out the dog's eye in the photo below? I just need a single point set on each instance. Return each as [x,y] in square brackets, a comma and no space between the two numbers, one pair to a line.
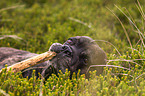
[69,42]
[86,60]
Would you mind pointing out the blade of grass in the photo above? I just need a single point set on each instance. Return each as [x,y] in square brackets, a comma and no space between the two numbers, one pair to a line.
[110,44]
[138,31]
[12,7]
[125,61]
[41,85]
[81,22]
[122,74]
[142,14]
[6,20]
[130,17]
[10,36]
[136,78]
[4,93]
[122,27]
[140,9]
[106,66]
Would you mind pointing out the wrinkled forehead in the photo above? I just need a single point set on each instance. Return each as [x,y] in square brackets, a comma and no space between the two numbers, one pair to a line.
[81,39]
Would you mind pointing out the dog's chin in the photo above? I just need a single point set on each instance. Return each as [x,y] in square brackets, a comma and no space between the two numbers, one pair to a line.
[62,62]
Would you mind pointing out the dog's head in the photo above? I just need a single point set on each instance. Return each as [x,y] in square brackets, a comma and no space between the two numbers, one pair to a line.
[78,53]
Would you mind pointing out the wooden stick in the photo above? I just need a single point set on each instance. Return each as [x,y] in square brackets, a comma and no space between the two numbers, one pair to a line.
[31,61]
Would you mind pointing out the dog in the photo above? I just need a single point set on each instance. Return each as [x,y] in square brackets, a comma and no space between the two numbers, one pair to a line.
[77,53]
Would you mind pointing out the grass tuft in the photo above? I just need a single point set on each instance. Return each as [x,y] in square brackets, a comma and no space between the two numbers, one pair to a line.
[39,23]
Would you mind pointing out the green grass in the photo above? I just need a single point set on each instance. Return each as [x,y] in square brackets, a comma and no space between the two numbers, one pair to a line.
[116,25]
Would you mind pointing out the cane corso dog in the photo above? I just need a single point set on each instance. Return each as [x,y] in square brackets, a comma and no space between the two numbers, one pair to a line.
[76,53]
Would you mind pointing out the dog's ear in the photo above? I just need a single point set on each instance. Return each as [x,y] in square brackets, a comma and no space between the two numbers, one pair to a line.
[96,56]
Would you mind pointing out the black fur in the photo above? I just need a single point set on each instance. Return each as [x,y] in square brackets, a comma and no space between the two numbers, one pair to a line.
[76,53]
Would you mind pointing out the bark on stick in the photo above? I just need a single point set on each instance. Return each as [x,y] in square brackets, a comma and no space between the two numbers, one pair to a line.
[31,61]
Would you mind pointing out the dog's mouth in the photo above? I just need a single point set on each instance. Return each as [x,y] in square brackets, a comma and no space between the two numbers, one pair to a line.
[67,55]
[70,52]
[67,51]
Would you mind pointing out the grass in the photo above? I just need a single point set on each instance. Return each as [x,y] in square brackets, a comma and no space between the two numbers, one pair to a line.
[34,26]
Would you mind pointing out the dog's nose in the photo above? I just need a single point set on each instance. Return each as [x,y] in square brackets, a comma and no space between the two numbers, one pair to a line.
[67,49]
[56,47]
